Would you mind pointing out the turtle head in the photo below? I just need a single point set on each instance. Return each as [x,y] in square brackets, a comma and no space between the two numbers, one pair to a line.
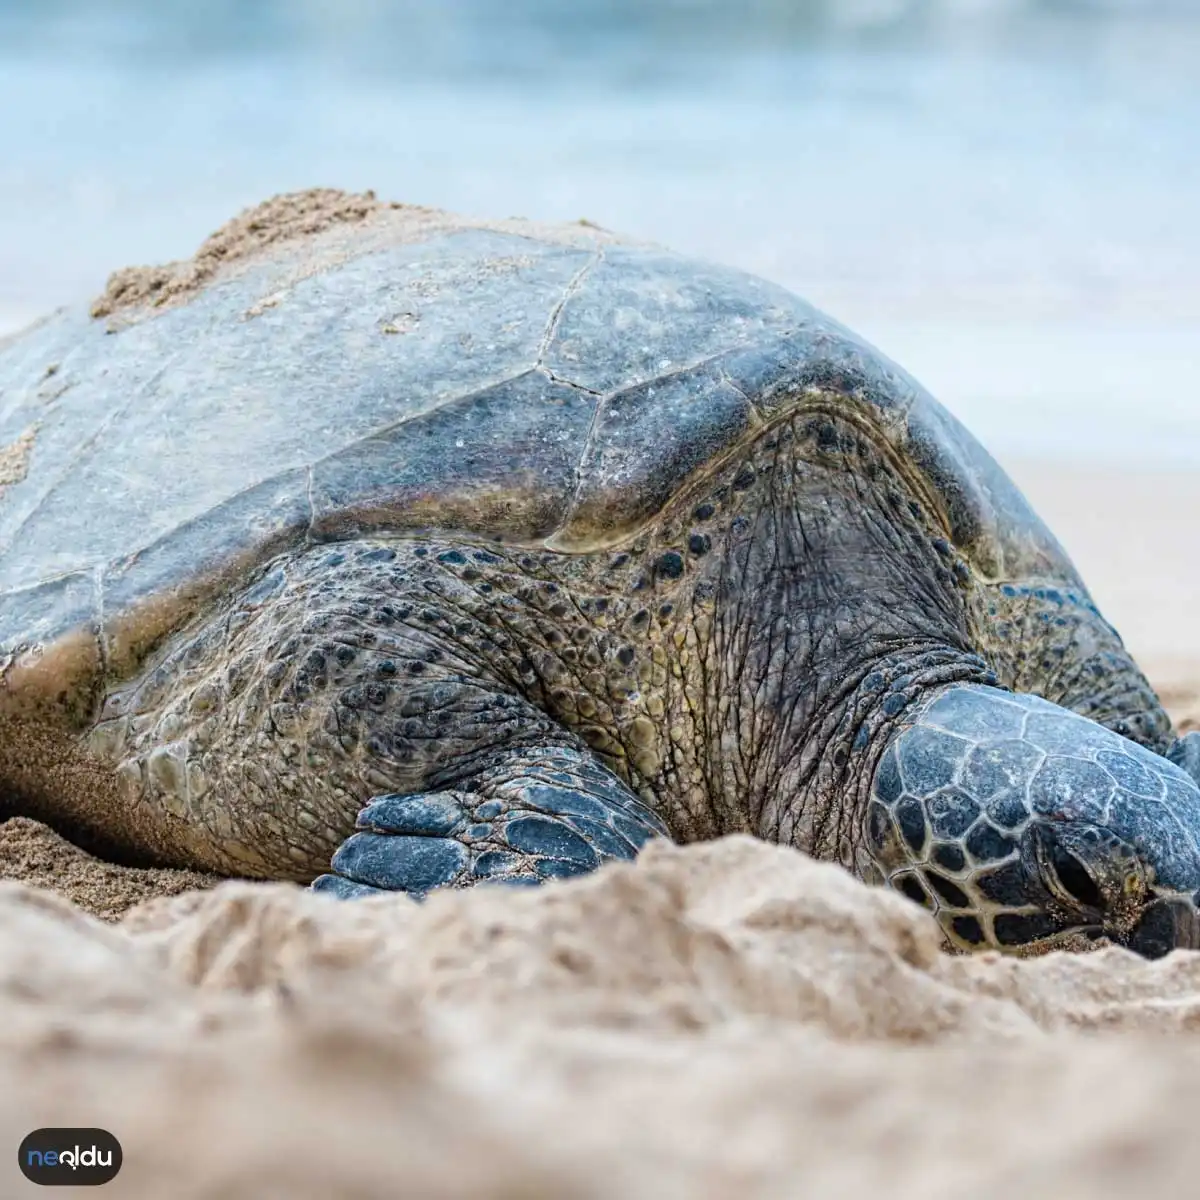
[1023,825]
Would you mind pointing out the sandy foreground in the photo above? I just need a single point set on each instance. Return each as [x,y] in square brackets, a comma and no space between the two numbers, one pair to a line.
[729,1019]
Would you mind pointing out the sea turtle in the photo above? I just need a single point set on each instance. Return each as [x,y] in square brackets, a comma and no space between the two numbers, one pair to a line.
[403,551]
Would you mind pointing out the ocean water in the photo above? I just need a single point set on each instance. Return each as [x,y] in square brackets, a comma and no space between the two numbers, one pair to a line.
[1003,195]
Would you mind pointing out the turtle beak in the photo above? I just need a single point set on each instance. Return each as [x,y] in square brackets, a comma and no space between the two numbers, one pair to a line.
[1166,924]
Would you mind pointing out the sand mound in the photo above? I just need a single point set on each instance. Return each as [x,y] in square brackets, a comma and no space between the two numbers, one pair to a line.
[334,224]
[33,854]
[279,219]
[729,1019]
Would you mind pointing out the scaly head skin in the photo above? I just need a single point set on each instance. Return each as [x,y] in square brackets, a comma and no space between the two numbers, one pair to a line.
[1020,823]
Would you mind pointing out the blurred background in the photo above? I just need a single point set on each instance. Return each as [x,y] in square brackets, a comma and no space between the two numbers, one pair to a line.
[1004,195]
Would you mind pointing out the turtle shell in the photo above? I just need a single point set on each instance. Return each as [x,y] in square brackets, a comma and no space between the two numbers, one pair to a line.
[545,386]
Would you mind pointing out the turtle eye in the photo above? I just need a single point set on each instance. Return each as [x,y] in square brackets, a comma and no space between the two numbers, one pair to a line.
[1073,879]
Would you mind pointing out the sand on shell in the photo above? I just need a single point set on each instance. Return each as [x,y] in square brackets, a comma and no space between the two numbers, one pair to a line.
[279,219]
[322,216]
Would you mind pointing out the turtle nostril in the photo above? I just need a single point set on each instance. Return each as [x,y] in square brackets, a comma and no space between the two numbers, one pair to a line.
[1074,879]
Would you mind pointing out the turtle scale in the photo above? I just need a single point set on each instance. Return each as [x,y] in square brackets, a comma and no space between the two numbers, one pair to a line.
[532,386]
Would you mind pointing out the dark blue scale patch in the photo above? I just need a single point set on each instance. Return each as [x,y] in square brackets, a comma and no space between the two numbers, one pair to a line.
[489,810]
[978,713]
[949,855]
[910,816]
[477,833]
[951,813]
[929,759]
[969,929]
[605,839]
[1008,810]
[950,893]
[563,800]
[590,772]
[344,889]
[645,816]
[999,766]
[1131,775]
[985,844]
[1158,833]
[497,862]
[400,864]
[1062,732]
[610,790]
[1016,929]
[909,886]
[669,565]
[1183,799]
[550,839]
[634,831]
[1131,820]
[1007,885]
[1073,789]
[888,784]
[435,814]
[557,868]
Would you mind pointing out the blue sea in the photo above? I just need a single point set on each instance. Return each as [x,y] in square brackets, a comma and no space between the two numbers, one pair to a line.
[1003,195]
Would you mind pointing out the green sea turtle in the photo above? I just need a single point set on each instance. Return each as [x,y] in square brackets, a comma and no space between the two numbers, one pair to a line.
[405,551]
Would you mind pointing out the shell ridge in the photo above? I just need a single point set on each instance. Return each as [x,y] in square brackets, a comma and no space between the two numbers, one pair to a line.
[741,391]
[383,431]
[556,378]
[573,286]
[164,538]
[576,282]
[714,362]
[310,532]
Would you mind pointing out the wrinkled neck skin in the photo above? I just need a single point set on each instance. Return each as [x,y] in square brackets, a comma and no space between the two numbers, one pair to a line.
[837,606]
[839,609]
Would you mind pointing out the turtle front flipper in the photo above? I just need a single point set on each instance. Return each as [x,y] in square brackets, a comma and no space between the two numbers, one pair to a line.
[535,814]
[1185,753]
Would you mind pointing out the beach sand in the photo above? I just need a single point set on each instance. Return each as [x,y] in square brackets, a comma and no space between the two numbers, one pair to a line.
[722,1020]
